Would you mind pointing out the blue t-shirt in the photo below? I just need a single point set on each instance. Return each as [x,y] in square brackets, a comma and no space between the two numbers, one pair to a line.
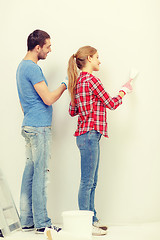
[36,112]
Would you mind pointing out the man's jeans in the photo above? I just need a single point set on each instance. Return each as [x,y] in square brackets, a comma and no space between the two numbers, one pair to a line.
[33,200]
[88,145]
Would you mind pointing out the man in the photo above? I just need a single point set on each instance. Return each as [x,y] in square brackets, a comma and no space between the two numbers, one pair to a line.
[36,102]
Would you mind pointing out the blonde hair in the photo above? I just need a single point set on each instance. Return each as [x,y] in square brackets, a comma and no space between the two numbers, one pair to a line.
[77,60]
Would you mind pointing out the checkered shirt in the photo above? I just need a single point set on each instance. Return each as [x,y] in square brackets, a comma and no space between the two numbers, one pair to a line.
[91,101]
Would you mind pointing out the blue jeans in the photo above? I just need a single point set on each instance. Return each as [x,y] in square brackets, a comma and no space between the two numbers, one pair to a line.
[88,145]
[33,199]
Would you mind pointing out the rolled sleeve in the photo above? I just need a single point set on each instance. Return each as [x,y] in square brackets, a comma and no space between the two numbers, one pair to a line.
[73,111]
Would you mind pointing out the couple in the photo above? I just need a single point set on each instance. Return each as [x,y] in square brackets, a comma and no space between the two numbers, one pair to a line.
[89,101]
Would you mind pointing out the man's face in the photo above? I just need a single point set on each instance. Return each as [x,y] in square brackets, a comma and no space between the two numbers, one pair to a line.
[43,51]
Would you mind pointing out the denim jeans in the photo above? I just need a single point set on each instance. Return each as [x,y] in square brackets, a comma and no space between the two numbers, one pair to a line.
[33,199]
[88,145]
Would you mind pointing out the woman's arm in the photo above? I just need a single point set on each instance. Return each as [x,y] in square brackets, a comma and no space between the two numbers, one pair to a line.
[73,109]
[99,91]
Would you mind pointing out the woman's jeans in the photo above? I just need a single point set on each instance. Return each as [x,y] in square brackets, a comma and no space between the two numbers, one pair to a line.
[33,199]
[88,145]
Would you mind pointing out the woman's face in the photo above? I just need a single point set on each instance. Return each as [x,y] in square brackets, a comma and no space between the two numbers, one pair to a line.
[95,62]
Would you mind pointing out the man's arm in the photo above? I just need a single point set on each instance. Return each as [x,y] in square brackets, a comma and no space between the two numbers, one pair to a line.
[47,96]
[21,106]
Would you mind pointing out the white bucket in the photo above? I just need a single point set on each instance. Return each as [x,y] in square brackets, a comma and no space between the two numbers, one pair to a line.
[78,223]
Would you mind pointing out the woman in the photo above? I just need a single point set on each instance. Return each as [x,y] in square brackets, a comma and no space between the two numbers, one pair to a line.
[89,101]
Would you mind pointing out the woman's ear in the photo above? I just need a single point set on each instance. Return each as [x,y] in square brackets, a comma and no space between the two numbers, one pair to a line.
[89,58]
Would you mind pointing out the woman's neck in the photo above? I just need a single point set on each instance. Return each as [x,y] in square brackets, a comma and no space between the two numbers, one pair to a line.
[87,69]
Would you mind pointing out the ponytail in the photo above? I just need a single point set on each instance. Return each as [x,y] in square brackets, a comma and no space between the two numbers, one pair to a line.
[77,61]
[72,77]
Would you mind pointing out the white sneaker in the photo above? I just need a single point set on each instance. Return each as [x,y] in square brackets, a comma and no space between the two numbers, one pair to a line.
[98,224]
[98,231]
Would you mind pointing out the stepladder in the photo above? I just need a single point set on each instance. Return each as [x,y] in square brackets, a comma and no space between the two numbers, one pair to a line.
[9,217]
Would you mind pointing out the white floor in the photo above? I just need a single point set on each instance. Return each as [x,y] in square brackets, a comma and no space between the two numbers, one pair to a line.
[149,231]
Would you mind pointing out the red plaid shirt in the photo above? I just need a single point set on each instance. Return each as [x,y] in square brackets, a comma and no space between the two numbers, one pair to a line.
[91,101]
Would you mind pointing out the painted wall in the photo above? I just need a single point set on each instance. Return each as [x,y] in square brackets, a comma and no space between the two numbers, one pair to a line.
[126,34]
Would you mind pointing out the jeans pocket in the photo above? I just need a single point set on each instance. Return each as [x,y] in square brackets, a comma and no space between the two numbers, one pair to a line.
[94,135]
[28,132]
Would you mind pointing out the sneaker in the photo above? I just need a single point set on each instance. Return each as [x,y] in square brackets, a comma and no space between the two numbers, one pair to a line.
[28,229]
[98,231]
[1,234]
[100,225]
[41,230]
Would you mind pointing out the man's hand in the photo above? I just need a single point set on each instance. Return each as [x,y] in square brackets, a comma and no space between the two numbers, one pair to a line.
[65,81]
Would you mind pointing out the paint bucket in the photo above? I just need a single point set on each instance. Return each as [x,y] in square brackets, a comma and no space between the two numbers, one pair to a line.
[78,223]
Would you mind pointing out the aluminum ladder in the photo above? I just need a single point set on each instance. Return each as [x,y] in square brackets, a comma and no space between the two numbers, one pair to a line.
[9,218]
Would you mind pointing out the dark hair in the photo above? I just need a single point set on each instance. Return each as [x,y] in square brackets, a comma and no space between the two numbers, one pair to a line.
[38,37]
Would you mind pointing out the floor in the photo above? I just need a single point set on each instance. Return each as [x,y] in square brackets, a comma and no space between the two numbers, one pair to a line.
[149,231]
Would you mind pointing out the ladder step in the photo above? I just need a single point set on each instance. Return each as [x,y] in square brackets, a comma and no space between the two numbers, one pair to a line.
[14,226]
[6,208]
[9,218]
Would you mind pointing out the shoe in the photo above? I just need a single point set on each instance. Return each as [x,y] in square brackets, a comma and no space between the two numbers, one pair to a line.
[98,231]
[28,229]
[100,225]
[41,230]
[1,234]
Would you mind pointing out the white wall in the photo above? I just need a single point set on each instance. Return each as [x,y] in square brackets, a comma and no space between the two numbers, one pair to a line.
[126,34]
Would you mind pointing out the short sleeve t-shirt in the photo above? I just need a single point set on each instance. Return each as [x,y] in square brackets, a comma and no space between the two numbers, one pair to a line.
[36,112]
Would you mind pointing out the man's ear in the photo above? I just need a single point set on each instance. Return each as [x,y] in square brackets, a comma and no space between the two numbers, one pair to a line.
[89,58]
[37,48]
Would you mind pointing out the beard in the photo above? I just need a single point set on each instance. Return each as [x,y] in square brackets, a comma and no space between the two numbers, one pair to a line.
[42,56]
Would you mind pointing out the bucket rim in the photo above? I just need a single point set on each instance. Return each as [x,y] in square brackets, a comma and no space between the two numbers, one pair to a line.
[77,213]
